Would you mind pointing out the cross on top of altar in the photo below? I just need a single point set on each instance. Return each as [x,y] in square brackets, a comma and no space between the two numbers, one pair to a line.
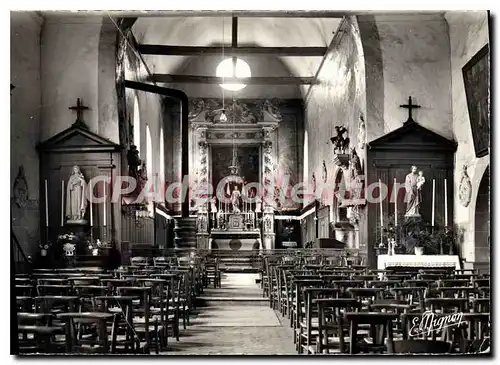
[410,107]
[79,109]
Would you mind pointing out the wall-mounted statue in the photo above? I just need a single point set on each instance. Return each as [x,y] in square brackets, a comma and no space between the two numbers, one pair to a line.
[324,175]
[361,133]
[134,162]
[76,199]
[465,188]
[20,189]
[340,143]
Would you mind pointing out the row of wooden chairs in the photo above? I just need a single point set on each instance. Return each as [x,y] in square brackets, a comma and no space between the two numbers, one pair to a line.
[133,309]
[350,309]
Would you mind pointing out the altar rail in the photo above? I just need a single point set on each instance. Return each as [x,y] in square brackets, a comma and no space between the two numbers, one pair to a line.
[254,257]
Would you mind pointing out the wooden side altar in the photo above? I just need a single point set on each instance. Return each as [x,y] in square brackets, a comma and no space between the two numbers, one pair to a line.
[97,162]
[390,159]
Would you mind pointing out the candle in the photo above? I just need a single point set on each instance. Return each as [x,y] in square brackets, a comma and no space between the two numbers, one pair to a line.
[395,204]
[433,199]
[104,207]
[445,204]
[46,205]
[62,203]
[90,202]
[381,209]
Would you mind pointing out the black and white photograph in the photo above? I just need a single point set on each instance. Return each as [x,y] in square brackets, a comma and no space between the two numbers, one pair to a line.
[249,182]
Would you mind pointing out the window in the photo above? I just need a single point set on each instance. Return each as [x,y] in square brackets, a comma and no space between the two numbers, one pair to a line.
[137,125]
[162,157]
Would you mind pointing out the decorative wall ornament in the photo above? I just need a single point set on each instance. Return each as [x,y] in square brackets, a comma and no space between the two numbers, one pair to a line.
[237,112]
[272,107]
[361,133]
[324,175]
[465,188]
[20,189]
[313,183]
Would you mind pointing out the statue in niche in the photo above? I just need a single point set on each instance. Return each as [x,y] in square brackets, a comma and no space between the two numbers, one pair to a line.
[413,185]
[340,143]
[21,193]
[268,223]
[76,200]
[235,200]
[465,188]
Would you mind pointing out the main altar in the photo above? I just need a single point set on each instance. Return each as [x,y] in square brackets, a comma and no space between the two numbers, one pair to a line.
[237,154]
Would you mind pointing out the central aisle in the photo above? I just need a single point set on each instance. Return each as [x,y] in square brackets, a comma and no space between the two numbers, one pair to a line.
[235,320]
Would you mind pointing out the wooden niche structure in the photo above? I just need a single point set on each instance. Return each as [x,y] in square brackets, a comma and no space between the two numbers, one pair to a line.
[95,156]
[391,157]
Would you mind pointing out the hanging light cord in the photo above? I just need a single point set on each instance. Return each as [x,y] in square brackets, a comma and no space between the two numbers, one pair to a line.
[223,41]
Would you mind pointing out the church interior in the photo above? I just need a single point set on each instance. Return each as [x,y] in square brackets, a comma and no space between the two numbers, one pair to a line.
[250,182]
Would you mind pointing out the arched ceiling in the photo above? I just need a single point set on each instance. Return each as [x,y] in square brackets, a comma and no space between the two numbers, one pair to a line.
[252,31]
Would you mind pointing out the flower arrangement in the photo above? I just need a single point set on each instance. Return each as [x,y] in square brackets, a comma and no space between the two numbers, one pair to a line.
[44,248]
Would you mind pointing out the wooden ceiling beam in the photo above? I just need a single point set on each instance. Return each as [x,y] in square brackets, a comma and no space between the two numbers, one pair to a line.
[227,13]
[192,79]
[164,50]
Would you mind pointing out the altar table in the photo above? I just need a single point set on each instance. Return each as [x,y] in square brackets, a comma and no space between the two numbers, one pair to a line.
[430,261]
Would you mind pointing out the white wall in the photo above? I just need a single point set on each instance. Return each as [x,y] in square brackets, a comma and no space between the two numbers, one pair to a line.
[468,34]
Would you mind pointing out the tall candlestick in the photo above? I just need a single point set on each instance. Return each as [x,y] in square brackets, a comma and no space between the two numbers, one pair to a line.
[46,205]
[395,203]
[445,204]
[90,202]
[62,203]
[433,200]
[104,207]
[381,209]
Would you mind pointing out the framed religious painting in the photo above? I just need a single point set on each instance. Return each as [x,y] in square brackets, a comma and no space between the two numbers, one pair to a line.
[476,74]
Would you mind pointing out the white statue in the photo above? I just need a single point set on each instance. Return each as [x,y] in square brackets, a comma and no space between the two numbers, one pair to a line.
[413,185]
[258,205]
[235,200]
[213,206]
[76,201]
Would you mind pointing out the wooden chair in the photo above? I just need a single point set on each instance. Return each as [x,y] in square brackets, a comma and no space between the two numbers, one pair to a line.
[98,344]
[144,324]
[332,326]
[373,319]
[127,340]
[308,326]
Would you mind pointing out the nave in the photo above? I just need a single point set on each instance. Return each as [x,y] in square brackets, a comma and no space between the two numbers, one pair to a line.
[300,303]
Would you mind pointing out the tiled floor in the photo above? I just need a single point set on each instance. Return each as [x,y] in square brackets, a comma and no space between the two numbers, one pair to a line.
[227,326]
